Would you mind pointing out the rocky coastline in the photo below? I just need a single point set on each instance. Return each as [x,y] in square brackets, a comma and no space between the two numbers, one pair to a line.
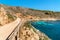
[28,32]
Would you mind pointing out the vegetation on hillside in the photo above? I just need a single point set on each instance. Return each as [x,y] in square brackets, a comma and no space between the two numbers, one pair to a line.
[11,16]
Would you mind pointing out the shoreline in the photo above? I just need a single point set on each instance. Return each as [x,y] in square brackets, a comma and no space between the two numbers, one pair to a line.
[40,32]
[45,19]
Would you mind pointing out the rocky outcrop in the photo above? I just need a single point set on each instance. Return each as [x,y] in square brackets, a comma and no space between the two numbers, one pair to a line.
[5,17]
[27,32]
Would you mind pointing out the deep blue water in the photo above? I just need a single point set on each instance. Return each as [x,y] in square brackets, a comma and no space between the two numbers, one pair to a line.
[50,28]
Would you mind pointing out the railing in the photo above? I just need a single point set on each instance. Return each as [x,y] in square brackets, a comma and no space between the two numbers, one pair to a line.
[14,34]
[10,31]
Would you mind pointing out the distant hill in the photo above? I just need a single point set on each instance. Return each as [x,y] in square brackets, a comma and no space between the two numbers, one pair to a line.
[31,12]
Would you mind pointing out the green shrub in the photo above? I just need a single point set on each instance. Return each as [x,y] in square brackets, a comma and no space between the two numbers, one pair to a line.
[10,16]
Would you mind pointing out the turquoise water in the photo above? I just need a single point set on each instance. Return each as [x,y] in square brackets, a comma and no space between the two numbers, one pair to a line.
[50,28]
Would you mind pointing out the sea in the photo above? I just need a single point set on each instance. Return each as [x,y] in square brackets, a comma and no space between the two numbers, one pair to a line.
[50,28]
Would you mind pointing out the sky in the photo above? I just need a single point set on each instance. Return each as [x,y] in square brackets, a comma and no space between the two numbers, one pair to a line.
[53,5]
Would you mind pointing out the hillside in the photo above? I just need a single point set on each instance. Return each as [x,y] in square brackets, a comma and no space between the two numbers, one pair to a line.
[31,12]
[5,16]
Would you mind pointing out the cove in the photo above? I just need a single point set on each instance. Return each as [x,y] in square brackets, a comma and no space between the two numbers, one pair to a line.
[50,28]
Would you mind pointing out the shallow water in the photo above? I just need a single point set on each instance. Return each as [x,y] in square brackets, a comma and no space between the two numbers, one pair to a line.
[50,28]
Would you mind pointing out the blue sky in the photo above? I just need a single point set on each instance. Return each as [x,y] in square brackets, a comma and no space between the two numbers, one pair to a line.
[53,5]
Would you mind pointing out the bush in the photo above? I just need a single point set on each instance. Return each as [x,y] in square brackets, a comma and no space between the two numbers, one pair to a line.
[10,16]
